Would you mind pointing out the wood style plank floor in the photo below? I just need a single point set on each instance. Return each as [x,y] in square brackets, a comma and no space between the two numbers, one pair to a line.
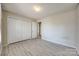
[38,47]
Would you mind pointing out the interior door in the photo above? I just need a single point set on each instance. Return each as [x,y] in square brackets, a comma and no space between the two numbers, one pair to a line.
[34,29]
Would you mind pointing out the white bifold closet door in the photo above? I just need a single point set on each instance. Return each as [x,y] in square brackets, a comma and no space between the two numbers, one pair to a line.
[34,29]
[18,30]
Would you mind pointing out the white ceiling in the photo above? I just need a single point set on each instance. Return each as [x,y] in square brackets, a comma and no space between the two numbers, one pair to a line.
[26,9]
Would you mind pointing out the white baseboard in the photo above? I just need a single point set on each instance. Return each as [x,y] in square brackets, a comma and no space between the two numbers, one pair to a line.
[61,44]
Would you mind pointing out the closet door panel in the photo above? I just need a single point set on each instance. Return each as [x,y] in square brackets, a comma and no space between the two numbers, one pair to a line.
[18,30]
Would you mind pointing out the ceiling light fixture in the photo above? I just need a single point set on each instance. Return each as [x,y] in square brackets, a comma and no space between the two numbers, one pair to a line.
[37,8]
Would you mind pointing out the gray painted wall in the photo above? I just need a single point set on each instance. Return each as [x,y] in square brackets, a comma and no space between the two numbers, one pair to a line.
[60,28]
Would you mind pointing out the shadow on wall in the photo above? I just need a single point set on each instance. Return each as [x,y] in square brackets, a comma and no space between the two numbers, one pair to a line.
[0,23]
